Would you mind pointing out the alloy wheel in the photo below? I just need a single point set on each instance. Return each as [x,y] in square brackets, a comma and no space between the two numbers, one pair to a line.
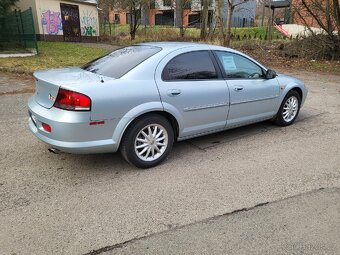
[290,109]
[151,142]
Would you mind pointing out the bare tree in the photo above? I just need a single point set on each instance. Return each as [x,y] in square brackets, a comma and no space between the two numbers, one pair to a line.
[180,6]
[104,8]
[219,20]
[204,21]
[270,21]
[263,2]
[230,9]
[326,14]
[134,8]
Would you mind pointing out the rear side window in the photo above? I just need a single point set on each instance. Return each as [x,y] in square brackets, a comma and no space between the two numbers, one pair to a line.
[121,61]
[195,65]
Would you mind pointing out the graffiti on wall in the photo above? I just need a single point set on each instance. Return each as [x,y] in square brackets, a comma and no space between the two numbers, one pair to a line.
[52,22]
[89,24]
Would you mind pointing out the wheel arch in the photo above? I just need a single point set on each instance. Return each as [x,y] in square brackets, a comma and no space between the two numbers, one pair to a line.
[279,118]
[128,145]
[287,89]
[126,124]
[298,90]
[173,121]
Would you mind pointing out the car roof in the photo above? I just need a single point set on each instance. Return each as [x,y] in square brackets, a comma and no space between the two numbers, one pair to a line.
[170,46]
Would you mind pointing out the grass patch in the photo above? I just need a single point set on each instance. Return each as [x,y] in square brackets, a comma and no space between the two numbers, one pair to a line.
[52,55]
[245,33]
[120,33]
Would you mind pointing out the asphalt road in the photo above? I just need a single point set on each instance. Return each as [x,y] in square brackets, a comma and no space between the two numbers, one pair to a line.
[76,204]
[304,224]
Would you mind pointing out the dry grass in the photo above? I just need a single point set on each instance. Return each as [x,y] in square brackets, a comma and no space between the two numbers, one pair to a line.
[271,54]
[52,55]
[274,55]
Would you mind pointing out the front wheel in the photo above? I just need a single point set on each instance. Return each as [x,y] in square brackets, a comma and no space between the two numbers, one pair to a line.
[289,109]
[147,141]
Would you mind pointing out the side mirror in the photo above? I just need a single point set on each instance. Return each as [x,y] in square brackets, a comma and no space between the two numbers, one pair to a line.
[270,74]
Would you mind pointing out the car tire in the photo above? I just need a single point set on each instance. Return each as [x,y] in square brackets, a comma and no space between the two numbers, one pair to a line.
[147,141]
[289,109]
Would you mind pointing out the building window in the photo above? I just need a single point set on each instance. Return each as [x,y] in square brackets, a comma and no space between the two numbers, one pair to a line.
[128,18]
[117,19]
[166,18]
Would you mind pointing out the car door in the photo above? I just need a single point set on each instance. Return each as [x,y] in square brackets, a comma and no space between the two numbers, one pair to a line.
[252,96]
[192,89]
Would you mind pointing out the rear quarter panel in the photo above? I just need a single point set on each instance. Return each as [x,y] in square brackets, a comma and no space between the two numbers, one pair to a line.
[122,101]
[116,99]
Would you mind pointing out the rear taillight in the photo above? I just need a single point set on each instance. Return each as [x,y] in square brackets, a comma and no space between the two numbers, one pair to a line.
[73,101]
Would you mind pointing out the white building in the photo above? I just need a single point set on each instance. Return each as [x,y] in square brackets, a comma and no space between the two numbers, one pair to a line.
[67,20]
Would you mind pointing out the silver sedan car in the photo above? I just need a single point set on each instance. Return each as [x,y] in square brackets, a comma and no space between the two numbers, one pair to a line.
[140,99]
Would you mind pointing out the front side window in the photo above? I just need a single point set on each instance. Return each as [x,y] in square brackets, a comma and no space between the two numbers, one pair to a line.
[121,61]
[239,67]
[195,65]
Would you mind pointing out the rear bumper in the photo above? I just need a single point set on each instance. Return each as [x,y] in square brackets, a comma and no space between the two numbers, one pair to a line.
[71,131]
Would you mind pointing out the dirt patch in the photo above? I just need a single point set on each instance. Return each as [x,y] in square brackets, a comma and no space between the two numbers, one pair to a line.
[11,83]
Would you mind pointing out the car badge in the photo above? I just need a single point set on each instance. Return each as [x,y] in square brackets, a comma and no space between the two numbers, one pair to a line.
[52,98]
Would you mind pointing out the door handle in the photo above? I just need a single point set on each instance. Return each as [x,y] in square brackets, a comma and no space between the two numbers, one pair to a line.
[174,92]
[238,88]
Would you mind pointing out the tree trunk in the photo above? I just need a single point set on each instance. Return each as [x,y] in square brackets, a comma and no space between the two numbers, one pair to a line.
[132,33]
[263,12]
[219,22]
[135,20]
[179,16]
[230,10]
[336,14]
[204,22]
[270,22]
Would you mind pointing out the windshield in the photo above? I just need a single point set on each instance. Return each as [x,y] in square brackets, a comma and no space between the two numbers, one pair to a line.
[120,61]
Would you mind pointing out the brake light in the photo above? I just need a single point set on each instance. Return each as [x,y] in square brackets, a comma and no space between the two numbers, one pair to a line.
[72,101]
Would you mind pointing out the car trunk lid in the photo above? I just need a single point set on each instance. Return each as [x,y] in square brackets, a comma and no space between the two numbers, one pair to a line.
[48,83]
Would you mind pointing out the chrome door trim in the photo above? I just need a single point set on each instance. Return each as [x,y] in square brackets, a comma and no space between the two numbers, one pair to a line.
[196,108]
[254,100]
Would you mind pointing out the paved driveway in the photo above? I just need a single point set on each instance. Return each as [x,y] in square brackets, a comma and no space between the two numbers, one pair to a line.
[73,204]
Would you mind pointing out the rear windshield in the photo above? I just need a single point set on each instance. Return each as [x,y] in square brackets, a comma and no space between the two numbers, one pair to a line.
[120,61]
